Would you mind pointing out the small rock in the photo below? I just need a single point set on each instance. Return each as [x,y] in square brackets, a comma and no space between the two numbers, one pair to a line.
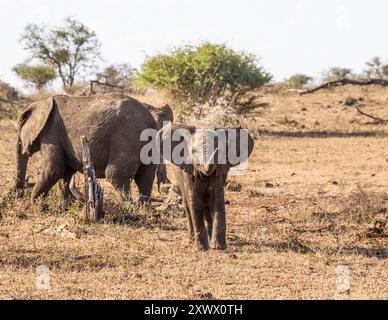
[350,101]
[63,230]
[234,186]
[377,227]
[203,295]
[255,194]
[269,185]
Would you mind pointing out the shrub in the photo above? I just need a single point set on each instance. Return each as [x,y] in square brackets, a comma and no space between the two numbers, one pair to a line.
[116,78]
[297,81]
[336,73]
[7,92]
[8,97]
[203,74]
[36,75]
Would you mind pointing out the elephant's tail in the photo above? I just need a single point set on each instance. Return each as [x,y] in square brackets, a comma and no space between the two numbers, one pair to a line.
[73,189]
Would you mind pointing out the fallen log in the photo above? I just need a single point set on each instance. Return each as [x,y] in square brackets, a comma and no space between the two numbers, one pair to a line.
[94,194]
[103,84]
[344,82]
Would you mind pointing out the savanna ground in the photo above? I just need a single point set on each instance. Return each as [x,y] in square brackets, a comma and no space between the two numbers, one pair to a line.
[313,203]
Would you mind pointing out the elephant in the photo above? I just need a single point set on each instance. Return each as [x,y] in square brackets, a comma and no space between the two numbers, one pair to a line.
[200,177]
[163,116]
[112,124]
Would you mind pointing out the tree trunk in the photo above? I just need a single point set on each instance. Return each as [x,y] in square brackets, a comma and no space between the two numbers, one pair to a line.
[94,195]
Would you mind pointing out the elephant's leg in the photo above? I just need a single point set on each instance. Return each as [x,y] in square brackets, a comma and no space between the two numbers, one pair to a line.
[209,221]
[197,211]
[119,180]
[53,170]
[218,239]
[189,220]
[65,186]
[161,174]
[144,181]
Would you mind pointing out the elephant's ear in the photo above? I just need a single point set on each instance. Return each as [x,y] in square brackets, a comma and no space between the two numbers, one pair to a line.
[175,145]
[33,120]
[239,145]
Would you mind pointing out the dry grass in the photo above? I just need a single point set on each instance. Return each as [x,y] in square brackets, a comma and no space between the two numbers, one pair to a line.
[309,204]
[324,111]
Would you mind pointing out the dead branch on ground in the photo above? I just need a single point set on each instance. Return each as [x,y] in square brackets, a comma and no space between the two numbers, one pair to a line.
[94,194]
[103,84]
[344,82]
[377,119]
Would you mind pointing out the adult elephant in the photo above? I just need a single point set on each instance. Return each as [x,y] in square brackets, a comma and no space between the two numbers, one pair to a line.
[113,125]
[163,116]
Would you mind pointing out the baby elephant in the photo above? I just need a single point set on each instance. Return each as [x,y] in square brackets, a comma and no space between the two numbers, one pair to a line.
[201,161]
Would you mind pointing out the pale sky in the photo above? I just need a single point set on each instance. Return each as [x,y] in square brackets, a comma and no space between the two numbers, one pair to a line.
[291,36]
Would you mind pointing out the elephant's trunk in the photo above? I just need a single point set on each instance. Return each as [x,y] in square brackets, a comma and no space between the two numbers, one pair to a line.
[205,155]
[219,225]
[21,166]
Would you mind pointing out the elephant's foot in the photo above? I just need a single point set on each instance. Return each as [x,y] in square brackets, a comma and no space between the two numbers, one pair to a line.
[144,199]
[17,192]
[218,246]
[67,202]
[202,247]
[202,242]
[20,191]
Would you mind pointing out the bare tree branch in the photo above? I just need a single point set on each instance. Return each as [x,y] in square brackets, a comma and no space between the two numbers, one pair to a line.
[104,84]
[344,82]
[379,120]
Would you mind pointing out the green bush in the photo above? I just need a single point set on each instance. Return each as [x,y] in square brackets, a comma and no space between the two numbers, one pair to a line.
[297,81]
[203,74]
[36,75]
[337,73]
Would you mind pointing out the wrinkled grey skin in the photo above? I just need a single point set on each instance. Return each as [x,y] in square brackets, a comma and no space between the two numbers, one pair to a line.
[162,116]
[112,124]
[202,189]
